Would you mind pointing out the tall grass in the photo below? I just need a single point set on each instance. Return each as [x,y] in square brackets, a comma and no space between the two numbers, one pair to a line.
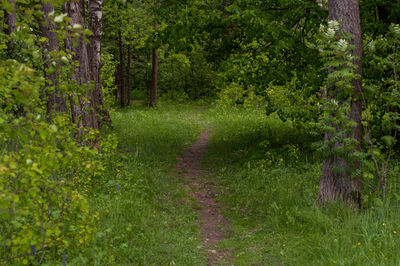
[269,179]
[144,217]
[268,176]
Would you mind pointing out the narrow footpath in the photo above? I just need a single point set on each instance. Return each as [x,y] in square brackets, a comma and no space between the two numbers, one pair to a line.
[213,225]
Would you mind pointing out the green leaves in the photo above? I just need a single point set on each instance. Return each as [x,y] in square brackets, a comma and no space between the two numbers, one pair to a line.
[60,18]
[388,140]
[337,99]
[9,8]
[77,27]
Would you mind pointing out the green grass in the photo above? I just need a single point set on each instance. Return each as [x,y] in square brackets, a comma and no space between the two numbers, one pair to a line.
[270,181]
[143,216]
[268,177]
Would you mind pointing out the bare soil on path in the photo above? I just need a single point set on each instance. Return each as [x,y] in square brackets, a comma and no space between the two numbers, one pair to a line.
[213,225]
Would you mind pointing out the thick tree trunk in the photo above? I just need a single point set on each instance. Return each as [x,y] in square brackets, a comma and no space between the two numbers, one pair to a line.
[10,21]
[336,185]
[122,78]
[128,73]
[55,100]
[94,50]
[82,109]
[154,77]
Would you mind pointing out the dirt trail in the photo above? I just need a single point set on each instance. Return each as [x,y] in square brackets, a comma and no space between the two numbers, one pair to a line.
[213,224]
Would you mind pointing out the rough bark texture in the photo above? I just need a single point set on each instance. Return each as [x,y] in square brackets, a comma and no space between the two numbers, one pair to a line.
[55,100]
[82,110]
[338,186]
[94,50]
[154,77]
[10,21]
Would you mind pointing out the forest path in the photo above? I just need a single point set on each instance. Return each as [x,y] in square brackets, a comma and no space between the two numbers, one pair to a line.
[213,224]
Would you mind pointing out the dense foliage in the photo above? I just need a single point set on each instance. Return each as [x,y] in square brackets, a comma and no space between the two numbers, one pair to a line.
[269,68]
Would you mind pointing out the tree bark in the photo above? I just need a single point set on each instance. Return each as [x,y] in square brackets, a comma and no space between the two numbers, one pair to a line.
[122,78]
[334,185]
[10,21]
[55,99]
[82,109]
[194,85]
[154,77]
[128,66]
[118,84]
[94,50]
[148,77]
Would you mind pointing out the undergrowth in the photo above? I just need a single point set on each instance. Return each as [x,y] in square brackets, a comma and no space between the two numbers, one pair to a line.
[143,217]
[269,177]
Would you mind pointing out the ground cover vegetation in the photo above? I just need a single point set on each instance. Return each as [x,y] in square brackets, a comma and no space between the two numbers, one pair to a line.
[269,186]
[302,98]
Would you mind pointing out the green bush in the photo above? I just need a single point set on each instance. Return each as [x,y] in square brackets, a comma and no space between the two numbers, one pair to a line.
[44,169]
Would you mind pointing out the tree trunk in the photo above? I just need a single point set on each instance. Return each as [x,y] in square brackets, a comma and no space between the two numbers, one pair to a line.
[194,85]
[117,92]
[148,77]
[55,99]
[122,78]
[95,25]
[333,185]
[154,77]
[128,66]
[185,84]
[82,109]
[10,21]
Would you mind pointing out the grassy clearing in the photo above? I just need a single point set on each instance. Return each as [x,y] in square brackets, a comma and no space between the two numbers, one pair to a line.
[269,181]
[144,219]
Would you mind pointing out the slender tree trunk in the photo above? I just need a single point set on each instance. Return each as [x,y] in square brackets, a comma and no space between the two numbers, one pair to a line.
[333,185]
[172,81]
[121,71]
[55,99]
[82,109]
[194,85]
[117,92]
[10,21]
[154,77]
[148,77]
[185,84]
[94,50]
[129,87]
